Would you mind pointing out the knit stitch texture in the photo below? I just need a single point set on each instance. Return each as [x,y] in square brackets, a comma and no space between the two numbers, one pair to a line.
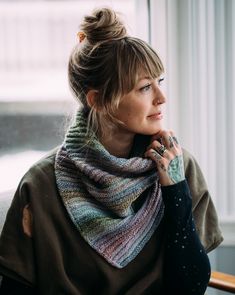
[99,189]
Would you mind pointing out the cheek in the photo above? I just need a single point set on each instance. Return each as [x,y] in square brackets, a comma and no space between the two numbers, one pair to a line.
[125,113]
[132,113]
[127,117]
[135,119]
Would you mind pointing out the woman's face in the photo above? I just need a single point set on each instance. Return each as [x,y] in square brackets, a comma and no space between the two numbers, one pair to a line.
[141,109]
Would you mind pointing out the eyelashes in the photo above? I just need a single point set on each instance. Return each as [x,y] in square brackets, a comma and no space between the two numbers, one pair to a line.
[146,87]
[149,85]
[160,81]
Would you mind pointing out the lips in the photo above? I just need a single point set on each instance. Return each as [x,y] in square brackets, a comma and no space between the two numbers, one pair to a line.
[156,116]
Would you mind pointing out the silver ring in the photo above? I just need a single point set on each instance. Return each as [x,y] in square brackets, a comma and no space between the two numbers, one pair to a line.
[161,150]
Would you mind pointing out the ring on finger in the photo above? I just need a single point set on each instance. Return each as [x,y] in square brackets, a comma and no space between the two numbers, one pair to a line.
[161,150]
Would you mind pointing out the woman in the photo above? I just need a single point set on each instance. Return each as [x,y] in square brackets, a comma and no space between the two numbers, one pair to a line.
[119,208]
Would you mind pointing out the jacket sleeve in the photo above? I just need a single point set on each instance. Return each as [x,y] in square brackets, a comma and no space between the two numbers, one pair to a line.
[204,213]
[17,263]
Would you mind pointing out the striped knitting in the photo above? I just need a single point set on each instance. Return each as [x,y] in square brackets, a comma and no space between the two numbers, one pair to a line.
[98,191]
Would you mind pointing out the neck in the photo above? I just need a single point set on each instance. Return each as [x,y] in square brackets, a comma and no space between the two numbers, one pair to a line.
[118,143]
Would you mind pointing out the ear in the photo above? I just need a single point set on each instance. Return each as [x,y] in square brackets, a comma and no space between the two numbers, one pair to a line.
[91,97]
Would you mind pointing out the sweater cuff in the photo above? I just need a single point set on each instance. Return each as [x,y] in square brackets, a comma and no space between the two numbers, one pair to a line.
[180,188]
[177,199]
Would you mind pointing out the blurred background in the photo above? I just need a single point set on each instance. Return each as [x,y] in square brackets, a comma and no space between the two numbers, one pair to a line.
[36,38]
[194,38]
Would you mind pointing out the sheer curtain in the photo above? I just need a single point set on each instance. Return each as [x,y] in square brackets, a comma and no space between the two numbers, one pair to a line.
[196,40]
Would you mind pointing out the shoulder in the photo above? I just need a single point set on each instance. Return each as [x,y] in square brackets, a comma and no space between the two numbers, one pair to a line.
[46,162]
[204,212]
[40,176]
[195,178]
[188,158]
[192,169]
[38,187]
[43,167]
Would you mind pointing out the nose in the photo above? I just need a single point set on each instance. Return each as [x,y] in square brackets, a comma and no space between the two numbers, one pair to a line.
[159,97]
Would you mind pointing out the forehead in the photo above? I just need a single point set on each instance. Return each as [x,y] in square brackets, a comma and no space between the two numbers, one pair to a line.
[142,74]
[140,78]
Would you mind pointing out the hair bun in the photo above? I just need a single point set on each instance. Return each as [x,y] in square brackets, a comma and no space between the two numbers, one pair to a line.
[103,25]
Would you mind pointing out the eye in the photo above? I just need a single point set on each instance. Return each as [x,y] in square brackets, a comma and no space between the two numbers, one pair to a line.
[145,88]
[160,81]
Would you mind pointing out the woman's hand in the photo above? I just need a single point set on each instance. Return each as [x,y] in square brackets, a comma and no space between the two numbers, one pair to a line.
[166,152]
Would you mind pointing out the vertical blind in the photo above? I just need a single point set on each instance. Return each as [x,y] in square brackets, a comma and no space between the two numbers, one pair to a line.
[196,40]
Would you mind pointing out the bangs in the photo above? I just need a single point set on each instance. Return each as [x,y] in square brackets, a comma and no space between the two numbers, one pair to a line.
[138,59]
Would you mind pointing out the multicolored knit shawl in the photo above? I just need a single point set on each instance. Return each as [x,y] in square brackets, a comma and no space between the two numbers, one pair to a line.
[99,191]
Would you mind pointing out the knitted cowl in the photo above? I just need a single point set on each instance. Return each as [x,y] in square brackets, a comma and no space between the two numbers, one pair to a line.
[99,189]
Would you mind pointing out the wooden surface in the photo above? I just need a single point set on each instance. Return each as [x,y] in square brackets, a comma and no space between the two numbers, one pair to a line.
[222,281]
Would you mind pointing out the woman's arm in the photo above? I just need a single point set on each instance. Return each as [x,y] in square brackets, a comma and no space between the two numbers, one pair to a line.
[187,267]
[11,287]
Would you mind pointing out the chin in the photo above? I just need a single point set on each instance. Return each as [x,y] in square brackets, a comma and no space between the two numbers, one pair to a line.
[155,130]
[151,131]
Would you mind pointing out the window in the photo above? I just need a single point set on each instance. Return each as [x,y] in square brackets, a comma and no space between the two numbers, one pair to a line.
[36,38]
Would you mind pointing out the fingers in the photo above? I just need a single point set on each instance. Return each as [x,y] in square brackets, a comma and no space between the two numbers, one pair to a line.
[160,149]
[168,139]
[158,159]
[166,152]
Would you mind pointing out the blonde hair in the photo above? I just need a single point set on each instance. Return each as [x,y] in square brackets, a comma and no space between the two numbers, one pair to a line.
[110,62]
